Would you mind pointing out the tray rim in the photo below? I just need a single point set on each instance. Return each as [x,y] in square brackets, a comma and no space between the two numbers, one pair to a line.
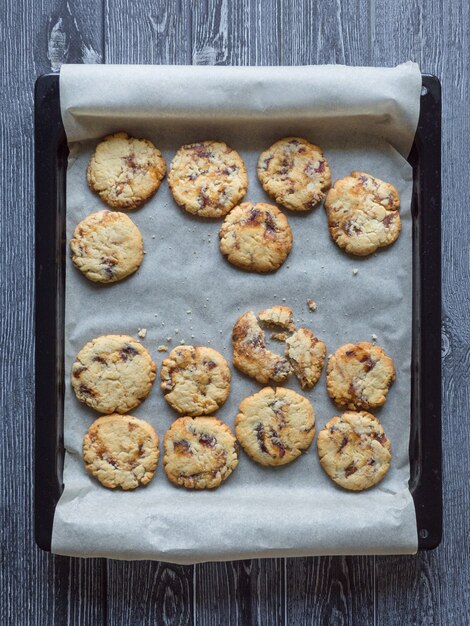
[51,152]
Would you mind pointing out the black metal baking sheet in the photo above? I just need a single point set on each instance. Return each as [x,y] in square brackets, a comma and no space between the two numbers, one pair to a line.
[425,437]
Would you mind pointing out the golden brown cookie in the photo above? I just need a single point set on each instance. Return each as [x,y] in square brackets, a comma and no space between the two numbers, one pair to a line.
[106,246]
[207,178]
[195,380]
[113,374]
[274,426]
[306,354]
[256,237]
[278,315]
[363,213]
[124,171]
[359,376]
[295,173]
[200,453]
[121,451]
[354,450]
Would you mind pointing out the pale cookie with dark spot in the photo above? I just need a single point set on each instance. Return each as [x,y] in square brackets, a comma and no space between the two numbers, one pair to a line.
[363,213]
[359,376]
[354,450]
[113,373]
[278,315]
[207,178]
[195,380]
[251,356]
[124,171]
[274,426]
[121,451]
[256,237]
[295,173]
[106,246]
[200,453]
[306,354]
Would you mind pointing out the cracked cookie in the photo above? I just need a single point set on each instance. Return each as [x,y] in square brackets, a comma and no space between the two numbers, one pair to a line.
[207,178]
[306,354]
[250,354]
[278,315]
[274,426]
[195,380]
[200,453]
[124,171]
[256,237]
[106,246]
[113,373]
[295,173]
[363,213]
[359,376]
[354,450]
[121,451]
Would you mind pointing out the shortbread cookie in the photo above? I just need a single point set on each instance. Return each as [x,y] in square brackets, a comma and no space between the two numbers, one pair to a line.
[121,451]
[195,380]
[278,315]
[207,178]
[363,213]
[256,237]
[306,354]
[113,373]
[251,356]
[124,171]
[200,453]
[359,376]
[295,173]
[354,450]
[106,246]
[274,426]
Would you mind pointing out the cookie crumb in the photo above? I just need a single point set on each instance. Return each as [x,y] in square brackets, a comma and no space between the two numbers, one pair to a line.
[279,336]
[374,337]
[188,311]
[153,236]
[355,271]
[169,339]
[283,299]
[162,349]
[141,333]
[311,304]
[182,342]
[176,331]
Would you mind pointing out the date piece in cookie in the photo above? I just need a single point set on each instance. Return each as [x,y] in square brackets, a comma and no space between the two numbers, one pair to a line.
[124,171]
[295,173]
[207,178]
[256,237]
[113,374]
[121,451]
[200,453]
[106,246]
[251,356]
[306,354]
[359,376]
[274,426]
[278,315]
[363,213]
[354,450]
[195,380]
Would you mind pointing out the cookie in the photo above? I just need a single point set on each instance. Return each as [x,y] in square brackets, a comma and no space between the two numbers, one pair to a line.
[306,354]
[363,213]
[295,173]
[124,171]
[354,450]
[274,426]
[359,376]
[113,374]
[200,453]
[106,246]
[195,380]
[207,178]
[251,356]
[278,315]
[121,451]
[256,237]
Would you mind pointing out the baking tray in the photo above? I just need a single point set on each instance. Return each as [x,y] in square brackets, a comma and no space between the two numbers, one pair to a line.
[51,154]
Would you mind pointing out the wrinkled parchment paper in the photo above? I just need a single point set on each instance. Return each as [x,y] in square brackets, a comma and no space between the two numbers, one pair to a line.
[365,119]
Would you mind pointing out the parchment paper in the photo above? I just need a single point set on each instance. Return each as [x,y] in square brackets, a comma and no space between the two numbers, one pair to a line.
[365,119]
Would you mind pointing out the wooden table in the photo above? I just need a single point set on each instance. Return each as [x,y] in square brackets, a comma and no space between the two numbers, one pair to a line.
[37,588]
